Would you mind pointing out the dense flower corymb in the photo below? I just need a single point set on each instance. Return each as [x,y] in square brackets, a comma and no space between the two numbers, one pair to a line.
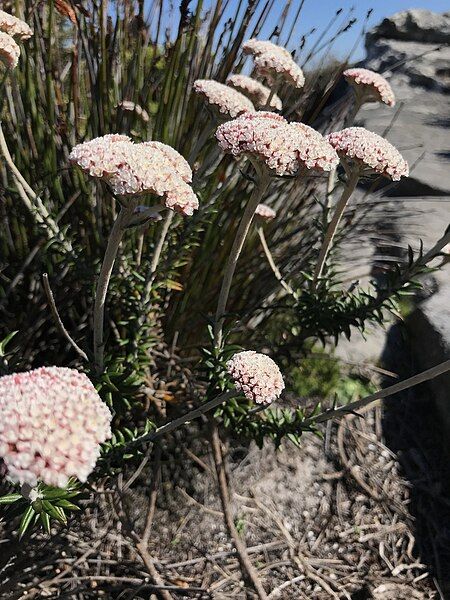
[285,148]
[52,422]
[370,86]
[369,151]
[256,375]
[14,26]
[257,92]
[265,212]
[224,98]
[131,169]
[9,51]
[274,61]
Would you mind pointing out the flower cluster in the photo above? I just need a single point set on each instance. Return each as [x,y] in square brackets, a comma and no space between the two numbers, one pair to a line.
[225,99]
[265,212]
[9,51]
[285,148]
[52,422]
[369,151]
[274,62]
[129,106]
[131,169]
[14,26]
[257,376]
[257,92]
[370,86]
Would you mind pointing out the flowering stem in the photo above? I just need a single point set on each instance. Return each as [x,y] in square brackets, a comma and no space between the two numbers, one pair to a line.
[332,227]
[112,248]
[238,243]
[273,91]
[273,266]
[176,423]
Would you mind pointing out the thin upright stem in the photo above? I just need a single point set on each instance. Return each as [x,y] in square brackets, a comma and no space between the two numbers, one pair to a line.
[238,243]
[109,259]
[270,260]
[334,223]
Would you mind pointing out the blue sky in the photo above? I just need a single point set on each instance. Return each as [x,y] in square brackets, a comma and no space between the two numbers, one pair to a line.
[317,13]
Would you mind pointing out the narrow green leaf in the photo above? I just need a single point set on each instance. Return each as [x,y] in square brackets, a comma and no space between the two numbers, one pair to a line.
[27,517]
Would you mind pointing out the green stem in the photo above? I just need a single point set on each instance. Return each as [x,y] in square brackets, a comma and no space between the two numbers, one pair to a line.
[273,266]
[238,243]
[112,248]
[332,227]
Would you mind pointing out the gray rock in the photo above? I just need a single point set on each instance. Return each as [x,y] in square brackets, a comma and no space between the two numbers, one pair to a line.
[419,25]
[403,49]
[415,63]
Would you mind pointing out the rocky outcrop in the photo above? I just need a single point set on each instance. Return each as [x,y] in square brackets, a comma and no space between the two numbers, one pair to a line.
[416,25]
[409,50]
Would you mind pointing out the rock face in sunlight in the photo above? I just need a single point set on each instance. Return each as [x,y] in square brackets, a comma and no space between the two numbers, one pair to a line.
[404,48]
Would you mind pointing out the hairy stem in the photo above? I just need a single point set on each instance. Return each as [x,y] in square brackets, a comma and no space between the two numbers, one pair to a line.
[248,571]
[238,243]
[334,223]
[112,248]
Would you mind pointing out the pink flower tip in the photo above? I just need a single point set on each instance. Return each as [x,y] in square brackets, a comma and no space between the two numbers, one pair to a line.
[134,169]
[225,99]
[52,422]
[369,152]
[265,212]
[284,148]
[274,62]
[257,376]
[370,86]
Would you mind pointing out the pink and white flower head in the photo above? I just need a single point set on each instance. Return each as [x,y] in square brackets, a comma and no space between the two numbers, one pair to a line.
[9,51]
[265,213]
[52,422]
[257,92]
[284,148]
[14,26]
[274,62]
[370,86]
[257,376]
[129,106]
[133,169]
[369,152]
[226,100]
